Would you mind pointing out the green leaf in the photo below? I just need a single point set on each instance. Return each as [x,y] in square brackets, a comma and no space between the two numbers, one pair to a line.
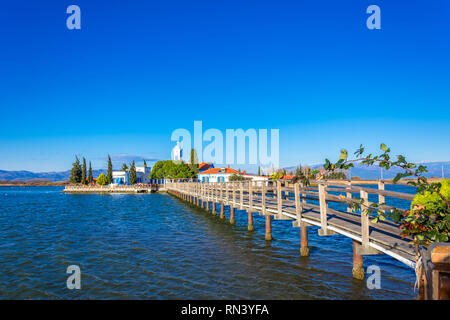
[383,147]
[344,154]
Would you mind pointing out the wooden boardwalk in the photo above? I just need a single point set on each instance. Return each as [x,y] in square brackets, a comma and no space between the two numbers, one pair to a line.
[307,206]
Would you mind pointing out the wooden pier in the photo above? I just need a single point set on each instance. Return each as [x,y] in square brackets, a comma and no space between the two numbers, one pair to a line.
[306,207]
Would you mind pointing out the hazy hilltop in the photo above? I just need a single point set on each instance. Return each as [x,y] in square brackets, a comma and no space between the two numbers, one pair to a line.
[50,176]
[374,172]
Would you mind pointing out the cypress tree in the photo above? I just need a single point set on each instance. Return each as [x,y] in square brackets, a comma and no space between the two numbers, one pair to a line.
[75,175]
[259,171]
[124,167]
[133,178]
[193,162]
[109,176]
[83,172]
[90,178]
[145,164]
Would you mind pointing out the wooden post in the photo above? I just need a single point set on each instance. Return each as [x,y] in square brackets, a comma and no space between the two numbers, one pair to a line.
[197,194]
[250,207]
[268,227]
[250,196]
[233,185]
[263,198]
[365,219]
[279,199]
[323,210]
[303,194]
[226,192]
[232,215]
[304,249]
[213,198]
[222,211]
[349,196]
[250,221]
[381,198]
[358,262]
[241,185]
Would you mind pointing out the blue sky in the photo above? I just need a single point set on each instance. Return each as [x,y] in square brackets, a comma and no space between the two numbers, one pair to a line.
[137,70]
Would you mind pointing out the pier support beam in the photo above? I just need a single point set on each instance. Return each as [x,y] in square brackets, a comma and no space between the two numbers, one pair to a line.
[250,221]
[232,221]
[304,249]
[222,211]
[268,227]
[213,204]
[358,264]
[207,205]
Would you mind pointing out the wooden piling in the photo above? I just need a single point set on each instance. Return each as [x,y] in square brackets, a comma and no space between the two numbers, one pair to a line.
[304,248]
[268,227]
[232,221]
[222,211]
[358,262]
[250,221]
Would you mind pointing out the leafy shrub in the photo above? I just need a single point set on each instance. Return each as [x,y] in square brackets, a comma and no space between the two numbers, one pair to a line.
[102,180]
[236,177]
[431,200]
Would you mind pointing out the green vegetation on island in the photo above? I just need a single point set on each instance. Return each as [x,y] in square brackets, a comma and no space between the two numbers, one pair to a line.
[169,169]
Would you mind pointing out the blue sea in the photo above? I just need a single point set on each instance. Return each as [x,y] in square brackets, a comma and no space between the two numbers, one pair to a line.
[155,246]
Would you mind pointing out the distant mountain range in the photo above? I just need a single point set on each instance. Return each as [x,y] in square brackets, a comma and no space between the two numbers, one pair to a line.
[364,172]
[374,172]
[50,176]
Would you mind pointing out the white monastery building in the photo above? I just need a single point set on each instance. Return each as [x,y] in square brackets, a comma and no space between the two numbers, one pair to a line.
[123,177]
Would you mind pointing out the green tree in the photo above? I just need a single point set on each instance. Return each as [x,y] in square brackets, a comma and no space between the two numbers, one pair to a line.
[110,169]
[145,164]
[102,180]
[83,172]
[169,169]
[276,175]
[298,171]
[124,167]
[259,170]
[236,177]
[75,175]
[90,178]
[193,162]
[133,178]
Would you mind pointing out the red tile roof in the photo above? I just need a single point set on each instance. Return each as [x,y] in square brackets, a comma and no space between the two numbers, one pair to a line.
[220,170]
[203,165]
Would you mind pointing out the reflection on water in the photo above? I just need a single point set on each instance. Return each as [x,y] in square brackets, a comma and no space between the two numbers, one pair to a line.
[154,246]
